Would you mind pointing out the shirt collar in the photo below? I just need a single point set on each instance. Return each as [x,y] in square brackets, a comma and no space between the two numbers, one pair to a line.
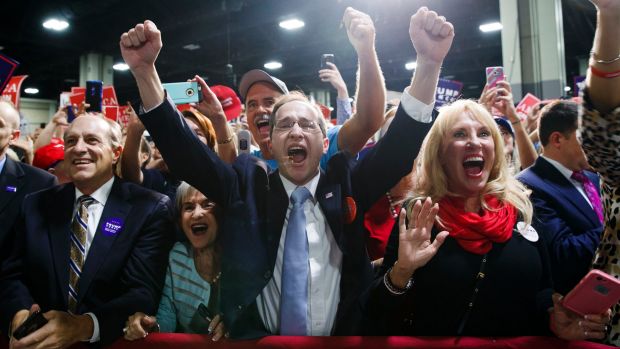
[563,169]
[101,194]
[311,185]
[2,162]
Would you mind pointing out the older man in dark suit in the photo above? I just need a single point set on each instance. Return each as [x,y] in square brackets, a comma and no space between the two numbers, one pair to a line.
[88,254]
[294,256]
[16,179]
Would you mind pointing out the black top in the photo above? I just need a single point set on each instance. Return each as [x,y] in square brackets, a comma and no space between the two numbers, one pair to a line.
[512,298]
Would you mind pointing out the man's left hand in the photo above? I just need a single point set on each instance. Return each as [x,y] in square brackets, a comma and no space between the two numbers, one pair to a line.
[61,331]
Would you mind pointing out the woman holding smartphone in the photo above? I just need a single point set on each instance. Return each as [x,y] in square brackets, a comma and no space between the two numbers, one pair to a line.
[190,299]
[467,262]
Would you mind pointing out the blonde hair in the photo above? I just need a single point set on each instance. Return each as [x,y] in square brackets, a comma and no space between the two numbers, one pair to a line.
[432,179]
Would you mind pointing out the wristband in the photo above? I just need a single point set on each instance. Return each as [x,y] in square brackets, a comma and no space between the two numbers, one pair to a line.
[605,75]
[226,141]
[393,289]
[602,61]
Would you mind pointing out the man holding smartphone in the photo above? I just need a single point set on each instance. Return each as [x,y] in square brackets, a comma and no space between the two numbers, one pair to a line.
[87,254]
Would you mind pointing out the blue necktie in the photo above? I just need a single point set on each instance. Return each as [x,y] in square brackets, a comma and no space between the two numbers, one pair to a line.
[294,297]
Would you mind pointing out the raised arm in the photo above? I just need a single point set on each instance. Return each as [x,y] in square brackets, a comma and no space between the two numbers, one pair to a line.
[370,102]
[130,160]
[186,156]
[604,92]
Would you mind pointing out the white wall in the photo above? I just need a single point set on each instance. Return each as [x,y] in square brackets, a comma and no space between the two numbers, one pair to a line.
[36,111]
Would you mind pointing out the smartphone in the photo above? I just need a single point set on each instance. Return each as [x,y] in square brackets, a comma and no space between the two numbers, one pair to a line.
[34,322]
[70,113]
[327,57]
[205,313]
[94,95]
[594,294]
[183,92]
[494,74]
[245,139]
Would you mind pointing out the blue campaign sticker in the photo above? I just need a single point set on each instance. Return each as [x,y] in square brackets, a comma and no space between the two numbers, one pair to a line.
[11,189]
[112,226]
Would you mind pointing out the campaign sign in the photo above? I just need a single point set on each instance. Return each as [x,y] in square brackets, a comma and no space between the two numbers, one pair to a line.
[527,103]
[579,83]
[109,96]
[111,112]
[11,91]
[7,68]
[447,91]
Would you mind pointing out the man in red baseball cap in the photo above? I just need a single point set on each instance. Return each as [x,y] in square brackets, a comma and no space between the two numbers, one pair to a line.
[50,158]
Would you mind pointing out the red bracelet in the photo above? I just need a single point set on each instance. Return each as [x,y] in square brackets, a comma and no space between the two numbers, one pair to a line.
[605,75]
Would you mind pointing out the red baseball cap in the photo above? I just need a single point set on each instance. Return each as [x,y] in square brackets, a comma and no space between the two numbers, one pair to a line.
[229,100]
[49,155]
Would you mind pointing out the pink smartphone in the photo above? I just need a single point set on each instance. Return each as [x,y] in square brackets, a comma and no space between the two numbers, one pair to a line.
[494,74]
[594,294]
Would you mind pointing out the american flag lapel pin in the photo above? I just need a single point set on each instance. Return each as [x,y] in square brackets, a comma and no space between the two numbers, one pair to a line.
[329,195]
[11,189]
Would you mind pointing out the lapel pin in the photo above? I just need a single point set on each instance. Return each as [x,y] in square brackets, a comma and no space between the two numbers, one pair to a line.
[11,189]
[329,195]
[112,226]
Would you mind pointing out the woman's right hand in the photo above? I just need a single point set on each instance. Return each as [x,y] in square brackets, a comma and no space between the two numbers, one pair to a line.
[139,325]
[415,248]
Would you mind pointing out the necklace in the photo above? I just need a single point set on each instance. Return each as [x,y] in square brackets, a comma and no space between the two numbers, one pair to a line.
[392,209]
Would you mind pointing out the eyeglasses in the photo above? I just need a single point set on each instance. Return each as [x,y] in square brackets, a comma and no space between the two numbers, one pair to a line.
[306,125]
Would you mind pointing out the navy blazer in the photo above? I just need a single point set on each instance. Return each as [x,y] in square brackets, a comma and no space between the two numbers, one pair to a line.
[569,226]
[16,181]
[123,272]
[255,203]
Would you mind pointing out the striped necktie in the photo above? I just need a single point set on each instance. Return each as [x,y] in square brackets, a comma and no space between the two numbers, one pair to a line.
[77,251]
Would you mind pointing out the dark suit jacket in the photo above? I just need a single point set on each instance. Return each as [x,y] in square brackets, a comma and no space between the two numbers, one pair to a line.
[566,221]
[255,203]
[123,272]
[16,181]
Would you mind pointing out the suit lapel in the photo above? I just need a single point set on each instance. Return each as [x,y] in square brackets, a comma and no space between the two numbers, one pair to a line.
[60,214]
[277,205]
[11,181]
[565,189]
[329,197]
[115,212]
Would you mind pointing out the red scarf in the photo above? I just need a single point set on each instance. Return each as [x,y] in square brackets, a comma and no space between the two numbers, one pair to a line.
[476,233]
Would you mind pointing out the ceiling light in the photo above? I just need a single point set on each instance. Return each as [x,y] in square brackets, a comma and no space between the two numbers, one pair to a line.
[567,88]
[191,47]
[56,24]
[120,66]
[1,48]
[411,65]
[31,90]
[292,24]
[273,65]
[490,27]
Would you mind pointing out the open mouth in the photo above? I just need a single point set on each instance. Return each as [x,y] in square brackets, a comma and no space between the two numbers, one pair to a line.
[199,229]
[81,162]
[262,123]
[473,166]
[297,154]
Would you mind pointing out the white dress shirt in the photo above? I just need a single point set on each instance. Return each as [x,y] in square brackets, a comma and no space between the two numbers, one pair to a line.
[95,210]
[324,261]
[568,173]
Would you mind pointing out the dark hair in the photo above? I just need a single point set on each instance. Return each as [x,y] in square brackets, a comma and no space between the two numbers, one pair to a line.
[557,116]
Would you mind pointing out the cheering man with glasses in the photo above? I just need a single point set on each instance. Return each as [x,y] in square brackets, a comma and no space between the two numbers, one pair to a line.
[294,256]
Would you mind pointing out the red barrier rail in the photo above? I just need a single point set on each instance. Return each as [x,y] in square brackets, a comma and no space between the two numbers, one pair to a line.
[190,341]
